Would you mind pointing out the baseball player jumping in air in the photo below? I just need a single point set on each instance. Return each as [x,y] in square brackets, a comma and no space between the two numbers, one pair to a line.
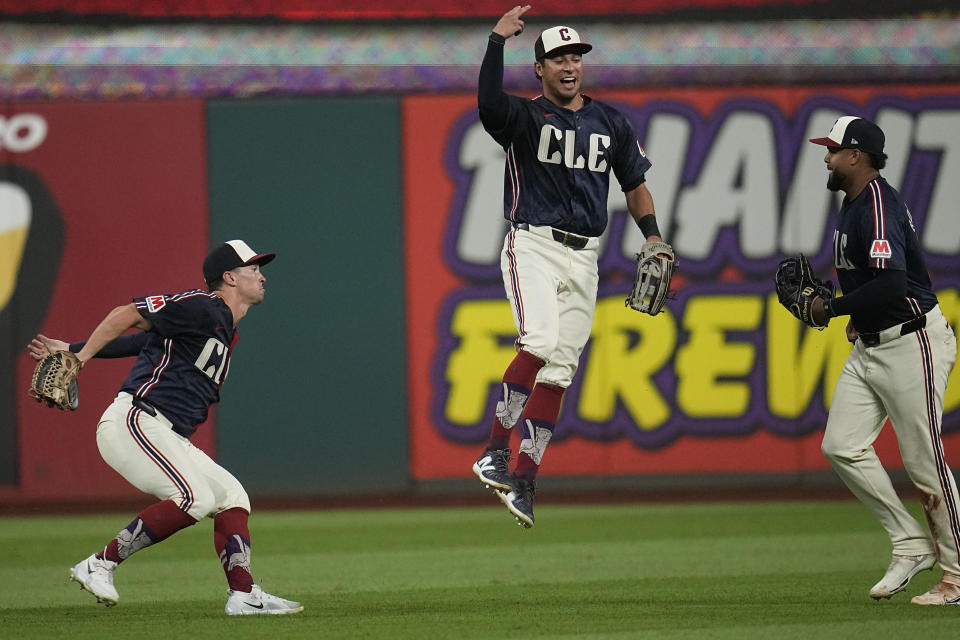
[183,353]
[560,148]
[903,352]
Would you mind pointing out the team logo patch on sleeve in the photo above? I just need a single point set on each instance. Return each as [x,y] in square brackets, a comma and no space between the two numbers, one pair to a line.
[155,303]
[880,249]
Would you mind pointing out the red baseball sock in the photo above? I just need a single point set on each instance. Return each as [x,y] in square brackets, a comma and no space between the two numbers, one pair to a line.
[537,424]
[231,539]
[155,523]
[518,380]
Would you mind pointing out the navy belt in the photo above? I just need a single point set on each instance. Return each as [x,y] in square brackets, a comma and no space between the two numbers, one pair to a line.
[571,240]
[873,339]
[144,406]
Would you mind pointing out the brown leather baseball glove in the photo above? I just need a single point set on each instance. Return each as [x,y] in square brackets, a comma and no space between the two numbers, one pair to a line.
[55,381]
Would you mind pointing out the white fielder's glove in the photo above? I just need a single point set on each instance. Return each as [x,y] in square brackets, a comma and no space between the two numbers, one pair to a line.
[651,285]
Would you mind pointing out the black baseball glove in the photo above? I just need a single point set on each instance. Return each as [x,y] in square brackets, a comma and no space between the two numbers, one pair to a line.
[797,288]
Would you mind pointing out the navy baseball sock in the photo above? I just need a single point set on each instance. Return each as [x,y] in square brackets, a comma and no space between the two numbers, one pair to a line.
[518,380]
[537,424]
[231,539]
[155,523]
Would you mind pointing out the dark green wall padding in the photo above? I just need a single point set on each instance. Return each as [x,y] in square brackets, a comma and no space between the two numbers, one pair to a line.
[315,400]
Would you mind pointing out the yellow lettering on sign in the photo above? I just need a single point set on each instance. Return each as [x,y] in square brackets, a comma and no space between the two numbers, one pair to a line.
[800,359]
[950,305]
[709,364]
[626,350]
[485,329]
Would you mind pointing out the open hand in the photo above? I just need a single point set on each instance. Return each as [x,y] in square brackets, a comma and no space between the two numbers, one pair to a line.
[42,346]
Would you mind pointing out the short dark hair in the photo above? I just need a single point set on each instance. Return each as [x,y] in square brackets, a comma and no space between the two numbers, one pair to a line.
[878,160]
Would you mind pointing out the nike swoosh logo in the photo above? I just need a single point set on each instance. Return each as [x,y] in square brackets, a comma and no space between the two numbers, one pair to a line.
[255,606]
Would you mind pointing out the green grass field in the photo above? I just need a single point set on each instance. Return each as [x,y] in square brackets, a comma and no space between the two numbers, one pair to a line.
[724,570]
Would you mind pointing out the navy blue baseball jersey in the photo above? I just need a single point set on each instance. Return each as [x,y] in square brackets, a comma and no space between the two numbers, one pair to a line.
[558,161]
[875,232]
[185,359]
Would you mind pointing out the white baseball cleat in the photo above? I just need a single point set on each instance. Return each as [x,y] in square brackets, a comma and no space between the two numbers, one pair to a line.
[96,576]
[947,591]
[258,601]
[900,572]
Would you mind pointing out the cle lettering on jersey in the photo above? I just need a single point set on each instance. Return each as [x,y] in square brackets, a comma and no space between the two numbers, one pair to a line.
[550,153]
[880,249]
[155,303]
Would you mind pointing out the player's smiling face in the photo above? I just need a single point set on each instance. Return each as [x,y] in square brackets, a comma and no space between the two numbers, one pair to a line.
[561,76]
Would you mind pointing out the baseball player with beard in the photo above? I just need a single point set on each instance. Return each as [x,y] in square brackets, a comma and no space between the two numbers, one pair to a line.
[183,356]
[560,149]
[903,353]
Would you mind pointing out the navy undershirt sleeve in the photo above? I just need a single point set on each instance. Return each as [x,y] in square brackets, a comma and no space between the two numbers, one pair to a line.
[886,287]
[492,101]
[124,346]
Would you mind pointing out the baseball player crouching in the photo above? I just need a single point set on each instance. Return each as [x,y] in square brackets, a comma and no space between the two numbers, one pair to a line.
[560,148]
[183,352]
[903,353]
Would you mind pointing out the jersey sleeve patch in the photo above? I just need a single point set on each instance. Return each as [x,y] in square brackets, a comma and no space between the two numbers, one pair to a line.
[155,303]
[880,248]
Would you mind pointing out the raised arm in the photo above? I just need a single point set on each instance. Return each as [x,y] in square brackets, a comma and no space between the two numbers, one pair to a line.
[491,99]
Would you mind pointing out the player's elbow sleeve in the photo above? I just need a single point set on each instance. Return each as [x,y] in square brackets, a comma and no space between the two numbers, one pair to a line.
[886,288]
[891,284]
[630,186]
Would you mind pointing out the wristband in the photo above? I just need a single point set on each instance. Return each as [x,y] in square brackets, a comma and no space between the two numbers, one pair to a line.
[827,310]
[648,225]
